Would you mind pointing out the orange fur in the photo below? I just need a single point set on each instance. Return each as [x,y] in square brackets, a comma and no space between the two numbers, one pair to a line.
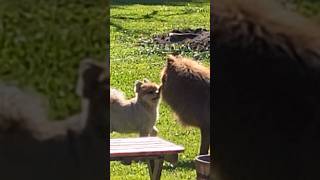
[267,84]
[186,88]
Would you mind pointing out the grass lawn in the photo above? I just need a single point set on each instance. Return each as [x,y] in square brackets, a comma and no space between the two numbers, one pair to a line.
[131,22]
[42,42]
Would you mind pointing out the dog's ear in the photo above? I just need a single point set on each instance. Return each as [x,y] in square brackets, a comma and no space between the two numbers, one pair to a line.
[163,74]
[103,77]
[171,59]
[85,64]
[89,74]
[145,80]
[137,86]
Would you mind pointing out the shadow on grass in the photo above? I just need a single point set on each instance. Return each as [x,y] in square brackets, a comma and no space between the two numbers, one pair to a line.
[186,164]
[117,26]
[156,2]
[127,31]
[146,16]
[130,31]
[153,15]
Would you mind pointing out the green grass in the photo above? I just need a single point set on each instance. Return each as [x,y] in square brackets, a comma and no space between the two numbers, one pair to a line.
[309,8]
[42,42]
[130,23]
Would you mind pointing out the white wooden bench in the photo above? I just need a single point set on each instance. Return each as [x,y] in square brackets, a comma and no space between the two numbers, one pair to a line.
[151,149]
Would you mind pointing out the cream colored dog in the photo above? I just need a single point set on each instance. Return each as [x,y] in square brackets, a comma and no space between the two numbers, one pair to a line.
[138,114]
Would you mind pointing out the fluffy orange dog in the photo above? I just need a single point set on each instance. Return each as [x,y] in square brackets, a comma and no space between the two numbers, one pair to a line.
[186,89]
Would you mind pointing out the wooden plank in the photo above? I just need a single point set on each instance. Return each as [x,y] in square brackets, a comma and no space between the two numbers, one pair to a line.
[144,152]
[142,147]
[149,150]
[139,141]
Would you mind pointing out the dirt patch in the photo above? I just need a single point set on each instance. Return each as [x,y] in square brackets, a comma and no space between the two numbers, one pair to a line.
[193,43]
[197,40]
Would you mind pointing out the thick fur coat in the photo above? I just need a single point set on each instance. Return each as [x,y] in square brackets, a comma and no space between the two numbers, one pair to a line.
[186,89]
[266,93]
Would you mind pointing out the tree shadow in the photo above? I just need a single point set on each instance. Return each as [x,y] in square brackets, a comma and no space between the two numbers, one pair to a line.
[155,2]
[154,15]
[151,15]
[117,26]
[120,28]
[144,17]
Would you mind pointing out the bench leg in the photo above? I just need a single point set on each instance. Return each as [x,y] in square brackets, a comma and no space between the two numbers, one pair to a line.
[155,168]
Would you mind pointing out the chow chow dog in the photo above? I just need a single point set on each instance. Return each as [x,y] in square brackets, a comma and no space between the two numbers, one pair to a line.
[266,92]
[186,89]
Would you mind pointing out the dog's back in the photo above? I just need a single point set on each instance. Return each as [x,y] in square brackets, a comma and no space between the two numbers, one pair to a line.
[117,97]
[121,113]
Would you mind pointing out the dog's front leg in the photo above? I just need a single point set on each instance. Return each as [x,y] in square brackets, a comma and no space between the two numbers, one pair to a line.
[205,140]
[143,133]
[154,131]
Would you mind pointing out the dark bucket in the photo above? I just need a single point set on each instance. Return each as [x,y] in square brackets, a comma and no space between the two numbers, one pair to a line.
[202,163]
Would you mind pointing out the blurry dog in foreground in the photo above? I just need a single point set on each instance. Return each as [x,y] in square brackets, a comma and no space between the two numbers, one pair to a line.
[186,89]
[267,100]
[24,112]
[38,148]
[138,114]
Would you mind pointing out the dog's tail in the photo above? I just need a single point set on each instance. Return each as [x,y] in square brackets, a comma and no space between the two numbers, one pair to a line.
[116,96]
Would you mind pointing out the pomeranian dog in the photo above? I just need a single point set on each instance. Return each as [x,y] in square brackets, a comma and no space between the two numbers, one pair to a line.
[138,114]
[186,89]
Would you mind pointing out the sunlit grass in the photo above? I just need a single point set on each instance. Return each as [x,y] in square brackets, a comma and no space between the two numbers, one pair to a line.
[130,23]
